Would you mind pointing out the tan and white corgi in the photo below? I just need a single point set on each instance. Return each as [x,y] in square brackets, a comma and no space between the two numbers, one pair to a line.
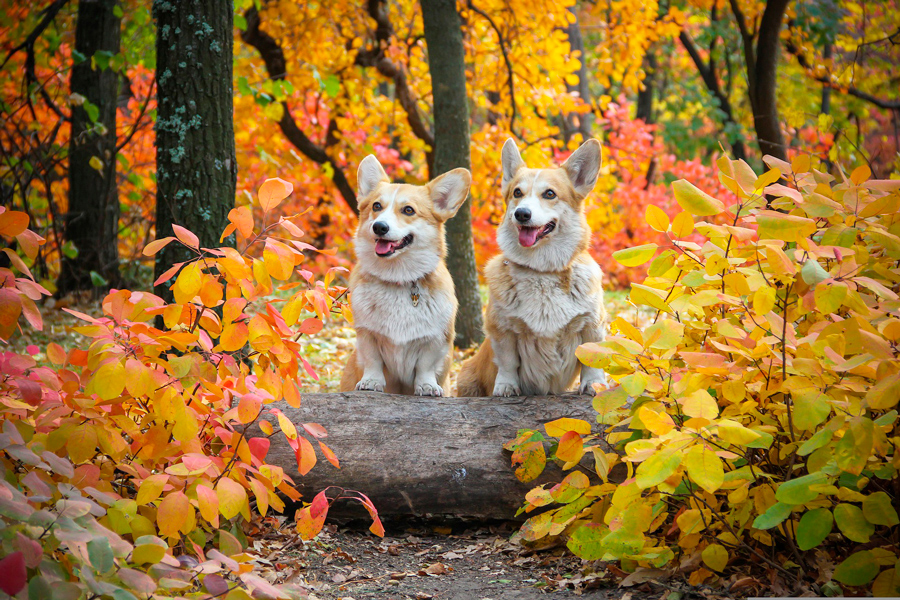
[545,290]
[402,296]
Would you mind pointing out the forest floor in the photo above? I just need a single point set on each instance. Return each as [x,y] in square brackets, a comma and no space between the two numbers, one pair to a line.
[415,560]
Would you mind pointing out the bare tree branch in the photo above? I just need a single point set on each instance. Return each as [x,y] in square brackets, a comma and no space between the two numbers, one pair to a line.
[509,67]
[276,67]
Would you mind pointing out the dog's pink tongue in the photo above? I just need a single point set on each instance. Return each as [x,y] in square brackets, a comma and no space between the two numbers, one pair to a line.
[528,236]
[384,246]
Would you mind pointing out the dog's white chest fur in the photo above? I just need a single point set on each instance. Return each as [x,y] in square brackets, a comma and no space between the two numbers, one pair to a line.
[540,301]
[550,320]
[387,309]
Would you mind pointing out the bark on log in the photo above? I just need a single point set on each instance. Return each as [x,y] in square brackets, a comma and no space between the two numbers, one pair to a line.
[416,456]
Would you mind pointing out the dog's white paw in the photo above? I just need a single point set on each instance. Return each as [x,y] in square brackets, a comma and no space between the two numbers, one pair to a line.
[587,386]
[506,390]
[370,385]
[429,389]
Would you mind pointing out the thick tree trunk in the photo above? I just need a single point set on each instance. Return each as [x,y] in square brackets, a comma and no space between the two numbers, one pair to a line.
[446,61]
[196,169]
[92,218]
[414,455]
[644,110]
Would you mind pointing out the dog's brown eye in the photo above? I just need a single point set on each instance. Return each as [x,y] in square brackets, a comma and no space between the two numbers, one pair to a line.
[376,207]
[408,210]
[549,194]
[517,193]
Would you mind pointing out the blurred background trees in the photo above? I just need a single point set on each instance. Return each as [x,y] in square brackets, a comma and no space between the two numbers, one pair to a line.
[667,87]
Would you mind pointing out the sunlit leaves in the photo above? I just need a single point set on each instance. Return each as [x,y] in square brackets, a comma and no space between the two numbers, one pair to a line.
[696,201]
[704,468]
[272,192]
[632,257]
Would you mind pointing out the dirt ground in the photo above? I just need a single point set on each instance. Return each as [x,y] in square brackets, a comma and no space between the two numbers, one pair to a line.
[422,561]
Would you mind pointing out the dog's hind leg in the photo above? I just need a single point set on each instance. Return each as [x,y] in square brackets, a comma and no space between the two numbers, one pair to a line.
[352,373]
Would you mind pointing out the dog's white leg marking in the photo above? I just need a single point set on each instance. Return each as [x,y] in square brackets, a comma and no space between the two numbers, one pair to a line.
[506,357]
[591,375]
[427,365]
[370,359]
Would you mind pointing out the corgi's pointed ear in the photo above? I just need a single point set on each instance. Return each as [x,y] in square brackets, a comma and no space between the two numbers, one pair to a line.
[449,191]
[583,166]
[369,175]
[511,161]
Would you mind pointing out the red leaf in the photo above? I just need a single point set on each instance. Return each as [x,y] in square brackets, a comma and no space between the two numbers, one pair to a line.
[168,274]
[30,390]
[12,573]
[259,447]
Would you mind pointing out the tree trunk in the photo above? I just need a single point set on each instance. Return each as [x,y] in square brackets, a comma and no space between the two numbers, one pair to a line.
[196,169]
[644,110]
[92,219]
[578,123]
[762,69]
[446,61]
[415,455]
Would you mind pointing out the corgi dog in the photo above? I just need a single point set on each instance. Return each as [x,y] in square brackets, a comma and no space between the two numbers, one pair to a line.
[402,297]
[545,290]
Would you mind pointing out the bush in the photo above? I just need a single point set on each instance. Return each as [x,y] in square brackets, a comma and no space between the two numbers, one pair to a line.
[762,431]
[122,464]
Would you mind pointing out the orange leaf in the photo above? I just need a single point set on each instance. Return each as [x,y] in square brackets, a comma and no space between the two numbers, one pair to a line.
[186,237]
[273,191]
[156,245]
[248,408]
[242,218]
[315,430]
[209,504]
[306,456]
[291,394]
[311,518]
[330,455]
[234,337]
[174,514]
[13,222]
[571,447]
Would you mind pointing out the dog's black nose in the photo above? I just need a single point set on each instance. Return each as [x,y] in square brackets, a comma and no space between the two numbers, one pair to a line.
[523,215]
[380,227]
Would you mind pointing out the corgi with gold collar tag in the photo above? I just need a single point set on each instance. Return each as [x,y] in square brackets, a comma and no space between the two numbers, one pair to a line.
[545,289]
[403,300]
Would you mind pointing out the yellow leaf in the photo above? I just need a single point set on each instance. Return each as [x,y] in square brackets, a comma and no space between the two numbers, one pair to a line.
[559,427]
[696,201]
[657,423]
[151,488]
[704,468]
[763,300]
[657,218]
[82,443]
[108,381]
[715,557]
[209,504]
[735,433]
[188,283]
[232,497]
[683,224]
[286,426]
[699,404]
[96,163]
[633,257]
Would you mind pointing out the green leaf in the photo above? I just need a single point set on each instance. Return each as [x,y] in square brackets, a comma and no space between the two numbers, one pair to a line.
[657,468]
[814,527]
[92,111]
[819,439]
[776,513]
[633,257]
[878,510]
[797,491]
[100,60]
[586,542]
[696,201]
[813,273]
[332,85]
[98,280]
[852,523]
[240,22]
[858,569]
[100,554]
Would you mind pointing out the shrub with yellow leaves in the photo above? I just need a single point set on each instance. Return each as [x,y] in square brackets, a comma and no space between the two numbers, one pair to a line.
[755,419]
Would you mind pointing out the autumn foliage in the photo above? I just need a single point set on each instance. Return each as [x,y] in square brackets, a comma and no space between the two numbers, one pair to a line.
[753,426]
[150,444]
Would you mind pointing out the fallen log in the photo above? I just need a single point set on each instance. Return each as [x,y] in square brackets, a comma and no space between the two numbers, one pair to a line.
[423,456]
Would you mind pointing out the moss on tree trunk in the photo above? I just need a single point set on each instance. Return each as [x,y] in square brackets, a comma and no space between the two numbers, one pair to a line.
[196,169]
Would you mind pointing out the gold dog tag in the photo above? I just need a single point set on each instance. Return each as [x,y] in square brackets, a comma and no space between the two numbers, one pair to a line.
[414,293]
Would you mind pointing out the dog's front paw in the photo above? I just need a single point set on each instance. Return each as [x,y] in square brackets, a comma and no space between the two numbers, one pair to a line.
[506,390]
[370,385]
[587,386]
[429,389]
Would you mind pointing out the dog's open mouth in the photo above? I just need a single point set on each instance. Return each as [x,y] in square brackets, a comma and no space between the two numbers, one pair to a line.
[387,247]
[529,236]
